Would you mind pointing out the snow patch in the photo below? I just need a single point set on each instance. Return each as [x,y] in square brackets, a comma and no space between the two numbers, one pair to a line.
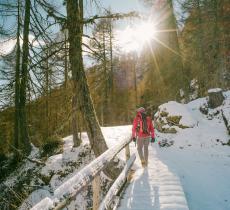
[214,90]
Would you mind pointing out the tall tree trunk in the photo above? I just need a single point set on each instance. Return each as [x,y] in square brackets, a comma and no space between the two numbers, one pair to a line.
[47,84]
[102,110]
[80,86]
[201,49]
[174,43]
[24,137]
[17,84]
[76,61]
[216,39]
[105,95]
[111,88]
[81,89]
[75,123]
[66,61]
[224,43]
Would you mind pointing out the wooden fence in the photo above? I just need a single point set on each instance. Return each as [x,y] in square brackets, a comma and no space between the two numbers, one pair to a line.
[68,191]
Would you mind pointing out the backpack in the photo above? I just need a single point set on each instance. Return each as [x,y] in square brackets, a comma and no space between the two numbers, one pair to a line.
[142,125]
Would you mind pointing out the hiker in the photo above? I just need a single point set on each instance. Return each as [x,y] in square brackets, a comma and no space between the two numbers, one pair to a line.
[143,132]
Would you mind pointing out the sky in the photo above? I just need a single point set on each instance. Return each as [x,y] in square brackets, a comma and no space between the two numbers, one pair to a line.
[130,32]
[123,5]
[117,6]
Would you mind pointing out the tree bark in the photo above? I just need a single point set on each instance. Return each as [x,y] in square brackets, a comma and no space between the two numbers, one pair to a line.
[201,49]
[75,121]
[81,89]
[17,84]
[66,61]
[111,73]
[47,84]
[105,88]
[24,137]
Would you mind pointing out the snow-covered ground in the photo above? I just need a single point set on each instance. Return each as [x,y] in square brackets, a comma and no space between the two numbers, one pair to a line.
[199,158]
[62,167]
[197,165]
[155,187]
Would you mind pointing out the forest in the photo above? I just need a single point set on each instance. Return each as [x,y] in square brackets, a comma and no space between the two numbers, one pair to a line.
[40,91]
[72,66]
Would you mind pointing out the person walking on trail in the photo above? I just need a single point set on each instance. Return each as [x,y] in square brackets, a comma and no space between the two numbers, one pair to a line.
[143,133]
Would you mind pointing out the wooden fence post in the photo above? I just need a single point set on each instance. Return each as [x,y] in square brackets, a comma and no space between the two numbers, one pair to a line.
[127,152]
[96,192]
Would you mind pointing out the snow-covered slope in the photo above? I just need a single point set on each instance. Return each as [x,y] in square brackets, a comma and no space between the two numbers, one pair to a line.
[197,165]
[200,158]
[61,167]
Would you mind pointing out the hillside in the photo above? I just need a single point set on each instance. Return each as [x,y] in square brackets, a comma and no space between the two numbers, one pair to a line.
[198,156]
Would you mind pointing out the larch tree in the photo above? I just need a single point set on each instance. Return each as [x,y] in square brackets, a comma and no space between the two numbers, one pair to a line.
[80,87]
[102,45]
[164,74]
[24,136]
[20,67]
[203,38]
[17,81]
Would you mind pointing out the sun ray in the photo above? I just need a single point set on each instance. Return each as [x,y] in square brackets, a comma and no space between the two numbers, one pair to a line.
[164,14]
[155,59]
[165,30]
[166,46]
[156,65]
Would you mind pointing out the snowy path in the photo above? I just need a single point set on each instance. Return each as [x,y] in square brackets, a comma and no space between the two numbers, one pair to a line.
[154,187]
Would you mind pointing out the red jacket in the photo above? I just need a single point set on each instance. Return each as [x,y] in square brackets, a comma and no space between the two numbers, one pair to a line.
[137,120]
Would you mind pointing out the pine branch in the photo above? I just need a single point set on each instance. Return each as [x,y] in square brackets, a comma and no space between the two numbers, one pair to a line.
[115,16]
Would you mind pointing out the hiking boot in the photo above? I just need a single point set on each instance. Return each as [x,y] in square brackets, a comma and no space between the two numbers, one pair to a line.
[143,163]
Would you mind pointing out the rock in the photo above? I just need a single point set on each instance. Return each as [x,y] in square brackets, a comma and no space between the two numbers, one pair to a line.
[173,116]
[226,117]
[163,127]
[169,130]
[175,120]
[226,144]
[164,114]
[215,98]
[165,143]
[204,109]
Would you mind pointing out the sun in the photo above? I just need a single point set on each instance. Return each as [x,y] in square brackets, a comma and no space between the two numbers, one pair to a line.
[134,38]
[145,32]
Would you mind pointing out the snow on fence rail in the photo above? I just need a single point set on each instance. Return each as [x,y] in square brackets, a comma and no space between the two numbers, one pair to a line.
[65,193]
[114,190]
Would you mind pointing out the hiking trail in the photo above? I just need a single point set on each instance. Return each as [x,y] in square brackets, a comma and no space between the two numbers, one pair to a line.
[154,187]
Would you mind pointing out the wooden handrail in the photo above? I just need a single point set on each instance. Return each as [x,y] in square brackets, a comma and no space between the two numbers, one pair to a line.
[113,191]
[65,193]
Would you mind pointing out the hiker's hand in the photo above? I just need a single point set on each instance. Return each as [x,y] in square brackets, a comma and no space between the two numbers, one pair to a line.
[134,139]
[152,140]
